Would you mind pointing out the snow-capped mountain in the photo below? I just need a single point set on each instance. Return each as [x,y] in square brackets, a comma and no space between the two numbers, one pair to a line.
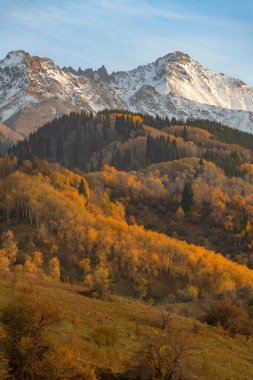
[35,90]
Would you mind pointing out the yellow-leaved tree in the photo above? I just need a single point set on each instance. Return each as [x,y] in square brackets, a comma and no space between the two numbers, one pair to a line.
[54,269]
[8,252]
[10,246]
[34,266]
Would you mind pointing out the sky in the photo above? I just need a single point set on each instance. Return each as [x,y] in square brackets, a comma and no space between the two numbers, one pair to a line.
[122,34]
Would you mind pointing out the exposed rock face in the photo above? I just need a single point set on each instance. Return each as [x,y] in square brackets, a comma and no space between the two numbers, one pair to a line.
[35,90]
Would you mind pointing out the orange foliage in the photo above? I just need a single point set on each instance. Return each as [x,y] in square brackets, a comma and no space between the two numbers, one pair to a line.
[125,115]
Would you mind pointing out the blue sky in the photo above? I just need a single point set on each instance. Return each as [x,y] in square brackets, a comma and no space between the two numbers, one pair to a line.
[122,34]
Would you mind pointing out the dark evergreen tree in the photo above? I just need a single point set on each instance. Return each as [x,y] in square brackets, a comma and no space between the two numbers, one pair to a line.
[187,198]
[105,130]
[100,160]
[59,149]
[185,134]
[81,188]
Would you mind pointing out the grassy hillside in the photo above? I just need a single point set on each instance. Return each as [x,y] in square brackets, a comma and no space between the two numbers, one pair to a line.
[214,354]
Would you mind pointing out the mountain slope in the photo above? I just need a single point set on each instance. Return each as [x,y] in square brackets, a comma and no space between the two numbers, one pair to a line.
[7,138]
[9,134]
[35,90]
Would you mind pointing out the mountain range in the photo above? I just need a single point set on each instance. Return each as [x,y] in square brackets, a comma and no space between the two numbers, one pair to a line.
[35,90]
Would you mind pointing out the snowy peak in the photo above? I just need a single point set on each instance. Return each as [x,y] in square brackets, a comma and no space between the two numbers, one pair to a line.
[188,79]
[14,58]
[178,56]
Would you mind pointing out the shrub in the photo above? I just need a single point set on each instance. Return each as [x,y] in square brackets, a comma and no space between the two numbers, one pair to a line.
[232,318]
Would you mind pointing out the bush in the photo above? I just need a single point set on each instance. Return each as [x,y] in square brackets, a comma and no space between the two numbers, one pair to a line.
[232,318]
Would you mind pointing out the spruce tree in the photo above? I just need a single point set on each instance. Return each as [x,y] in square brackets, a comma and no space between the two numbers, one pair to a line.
[187,197]
[81,188]
[185,134]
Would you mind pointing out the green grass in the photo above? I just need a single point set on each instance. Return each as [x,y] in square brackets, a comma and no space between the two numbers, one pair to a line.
[220,356]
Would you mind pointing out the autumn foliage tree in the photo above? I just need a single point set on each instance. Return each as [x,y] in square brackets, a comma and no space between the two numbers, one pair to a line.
[33,265]
[54,269]
[9,250]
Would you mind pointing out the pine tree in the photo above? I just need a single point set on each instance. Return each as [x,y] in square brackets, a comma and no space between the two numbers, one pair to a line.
[100,160]
[59,149]
[185,134]
[187,197]
[81,188]
[106,126]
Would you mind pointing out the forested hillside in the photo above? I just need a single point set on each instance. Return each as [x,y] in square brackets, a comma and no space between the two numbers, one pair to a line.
[126,205]
[164,156]
[73,230]
[132,141]
[190,199]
